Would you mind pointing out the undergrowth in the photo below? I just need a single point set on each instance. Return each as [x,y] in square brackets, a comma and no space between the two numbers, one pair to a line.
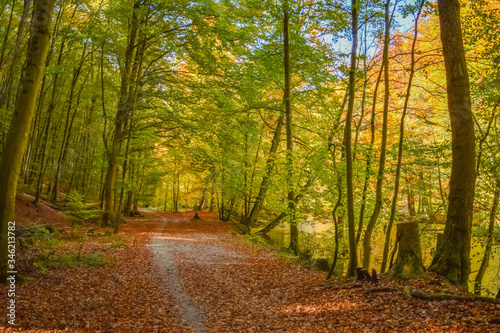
[42,248]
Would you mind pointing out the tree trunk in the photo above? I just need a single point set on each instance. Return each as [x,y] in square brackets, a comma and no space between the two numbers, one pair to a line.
[211,207]
[7,32]
[370,149]
[120,121]
[338,220]
[9,77]
[452,258]
[67,128]
[294,232]
[274,223]
[353,257]
[264,185]
[408,263]
[400,145]
[381,169]
[17,136]
[489,244]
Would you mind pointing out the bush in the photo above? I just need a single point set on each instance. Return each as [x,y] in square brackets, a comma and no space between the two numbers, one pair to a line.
[70,261]
[78,208]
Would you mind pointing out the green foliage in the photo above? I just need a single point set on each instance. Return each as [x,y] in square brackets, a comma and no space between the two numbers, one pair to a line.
[77,207]
[70,261]
[35,234]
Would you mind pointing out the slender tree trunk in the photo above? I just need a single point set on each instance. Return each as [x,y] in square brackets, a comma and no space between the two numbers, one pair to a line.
[358,128]
[452,258]
[489,243]
[363,96]
[369,156]
[7,34]
[21,120]
[67,128]
[294,232]
[266,179]
[132,97]
[338,220]
[128,204]
[9,77]
[353,256]
[120,121]
[211,207]
[400,145]
[381,168]
[124,168]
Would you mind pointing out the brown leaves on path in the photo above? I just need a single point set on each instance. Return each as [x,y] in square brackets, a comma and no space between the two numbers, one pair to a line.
[256,292]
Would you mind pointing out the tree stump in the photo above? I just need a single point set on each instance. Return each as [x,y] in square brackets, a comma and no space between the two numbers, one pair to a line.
[408,263]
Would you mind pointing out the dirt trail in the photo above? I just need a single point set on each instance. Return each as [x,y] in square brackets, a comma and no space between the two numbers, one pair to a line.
[168,249]
[165,251]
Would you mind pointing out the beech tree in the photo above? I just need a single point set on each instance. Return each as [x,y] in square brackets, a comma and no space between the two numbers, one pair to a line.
[353,257]
[452,258]
[380,176]
[19,129]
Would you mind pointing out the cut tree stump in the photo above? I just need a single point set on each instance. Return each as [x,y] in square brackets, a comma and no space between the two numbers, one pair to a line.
[408,263]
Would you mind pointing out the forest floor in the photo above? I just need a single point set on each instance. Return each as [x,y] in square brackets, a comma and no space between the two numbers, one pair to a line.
[168,273]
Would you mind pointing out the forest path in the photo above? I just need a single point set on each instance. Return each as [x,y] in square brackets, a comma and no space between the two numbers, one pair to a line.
[221,283]
[170,251]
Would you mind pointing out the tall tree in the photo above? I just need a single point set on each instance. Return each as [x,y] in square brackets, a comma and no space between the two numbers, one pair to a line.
[381,168]
[294,233]
[489,242]
[9,77]
[353,256]
[400,144]
[17,136]
[452,258]
[266,178]
[122,115]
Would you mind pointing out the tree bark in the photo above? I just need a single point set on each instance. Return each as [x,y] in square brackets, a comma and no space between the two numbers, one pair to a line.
[353,257]
[120,121]
[338,220]
[67,128]
[17,136]
[264,185]
[9,77]
[294,232]
[400,145]
[408,263]
[489,244]
[452,258]
[381,169]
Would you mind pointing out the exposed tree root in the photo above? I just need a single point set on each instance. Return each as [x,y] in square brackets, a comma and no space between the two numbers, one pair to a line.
[448,297]
[381,290]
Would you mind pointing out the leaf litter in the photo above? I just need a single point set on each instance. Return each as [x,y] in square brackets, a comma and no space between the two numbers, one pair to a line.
[233,285]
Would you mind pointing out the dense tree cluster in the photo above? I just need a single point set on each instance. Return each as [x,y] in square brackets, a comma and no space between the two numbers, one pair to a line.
[265,111]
